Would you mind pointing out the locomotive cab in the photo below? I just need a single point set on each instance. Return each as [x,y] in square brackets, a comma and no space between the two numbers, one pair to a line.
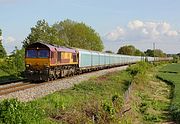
[45,62]
[37,56]
[37,60]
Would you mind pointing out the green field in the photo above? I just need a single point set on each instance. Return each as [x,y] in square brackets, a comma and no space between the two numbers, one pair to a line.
[171,74]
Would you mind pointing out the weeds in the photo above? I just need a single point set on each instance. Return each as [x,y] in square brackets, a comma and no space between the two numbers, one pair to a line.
[97,100]
[139,68]
[15,112]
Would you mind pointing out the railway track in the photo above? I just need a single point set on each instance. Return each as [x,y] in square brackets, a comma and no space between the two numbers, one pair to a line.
[19,86]
[30,91]
[16,87]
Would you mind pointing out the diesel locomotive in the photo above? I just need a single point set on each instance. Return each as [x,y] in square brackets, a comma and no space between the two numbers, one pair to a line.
[47,62]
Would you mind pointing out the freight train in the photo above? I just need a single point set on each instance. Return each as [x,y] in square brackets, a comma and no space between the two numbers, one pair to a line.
[48,62]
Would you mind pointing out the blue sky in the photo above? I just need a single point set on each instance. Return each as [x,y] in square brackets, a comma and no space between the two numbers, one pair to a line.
[137,22]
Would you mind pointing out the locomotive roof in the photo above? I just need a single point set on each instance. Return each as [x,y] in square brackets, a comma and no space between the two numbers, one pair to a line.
[53,47]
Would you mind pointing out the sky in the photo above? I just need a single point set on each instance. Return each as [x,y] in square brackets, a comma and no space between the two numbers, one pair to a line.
[119,22]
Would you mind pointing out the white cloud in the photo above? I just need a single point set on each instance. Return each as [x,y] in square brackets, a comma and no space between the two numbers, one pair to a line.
[163,27]
[144,30]
[10,39]
[142,34]
[115,34]
[172,33]
[139,30]
[135,24]
[10,42]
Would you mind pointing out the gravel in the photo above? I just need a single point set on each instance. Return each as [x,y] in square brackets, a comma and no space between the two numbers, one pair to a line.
[57,85]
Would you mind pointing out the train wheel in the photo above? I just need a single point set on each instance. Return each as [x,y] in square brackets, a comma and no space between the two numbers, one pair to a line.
[48,79]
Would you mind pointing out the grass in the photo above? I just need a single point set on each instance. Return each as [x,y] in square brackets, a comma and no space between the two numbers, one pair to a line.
[99,98]
[4,77]
[171,74]
[149,99]
[171,68]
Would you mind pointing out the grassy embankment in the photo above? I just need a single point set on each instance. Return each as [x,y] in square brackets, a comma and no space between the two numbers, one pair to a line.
[150,99]
[171,74]
[96,100]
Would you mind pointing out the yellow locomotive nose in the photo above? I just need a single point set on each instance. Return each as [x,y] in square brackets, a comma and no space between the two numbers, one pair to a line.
[37,63]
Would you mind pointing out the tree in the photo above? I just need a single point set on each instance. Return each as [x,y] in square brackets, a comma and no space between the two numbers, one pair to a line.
[44,33]
[138,53]
[175,58]
[127,50]
[130,50]
[2,50]
[79,35]
[149,52]
[67,33]
[156,53]
[178,54]
[159,53]
[14,63]
[18,59]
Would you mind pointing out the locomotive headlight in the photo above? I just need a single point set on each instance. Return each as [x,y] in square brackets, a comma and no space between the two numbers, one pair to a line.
[27,65]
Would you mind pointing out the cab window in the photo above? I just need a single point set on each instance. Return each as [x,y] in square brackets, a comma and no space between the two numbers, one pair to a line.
[43,54]
[31,54]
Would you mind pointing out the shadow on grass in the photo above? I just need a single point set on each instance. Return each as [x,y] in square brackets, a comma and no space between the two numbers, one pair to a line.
[126,84]
[174,72]
[10,78]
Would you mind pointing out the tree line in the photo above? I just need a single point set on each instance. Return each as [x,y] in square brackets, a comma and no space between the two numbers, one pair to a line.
[131,50]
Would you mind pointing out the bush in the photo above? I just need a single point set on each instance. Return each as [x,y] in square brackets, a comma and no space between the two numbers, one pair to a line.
[13,64]
[175,112]
[14,112]
[139,68]
[107,107]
